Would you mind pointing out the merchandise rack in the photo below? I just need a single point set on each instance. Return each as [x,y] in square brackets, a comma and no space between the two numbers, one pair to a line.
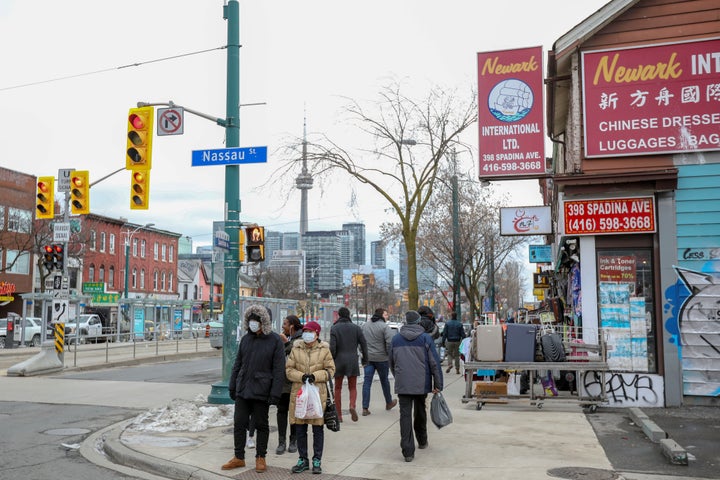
[596,361]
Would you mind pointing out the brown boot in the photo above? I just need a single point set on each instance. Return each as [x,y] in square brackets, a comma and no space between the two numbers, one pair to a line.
[234,463]
[391,405]
[260,465]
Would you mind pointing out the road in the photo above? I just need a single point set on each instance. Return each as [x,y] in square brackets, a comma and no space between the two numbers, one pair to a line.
[35,428]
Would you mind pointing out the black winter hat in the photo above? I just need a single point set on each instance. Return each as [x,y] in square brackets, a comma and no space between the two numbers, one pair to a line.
[412,317]
[343,312]
[426,311]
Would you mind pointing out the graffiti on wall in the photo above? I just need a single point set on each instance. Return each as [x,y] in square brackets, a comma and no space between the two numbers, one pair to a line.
[694,327]
[625,389]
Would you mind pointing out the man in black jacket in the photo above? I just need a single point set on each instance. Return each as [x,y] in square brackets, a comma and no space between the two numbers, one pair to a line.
[256,382]
[452,336]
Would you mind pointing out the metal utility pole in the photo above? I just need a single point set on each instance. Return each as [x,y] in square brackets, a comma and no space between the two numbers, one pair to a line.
[457,266]
[231,314]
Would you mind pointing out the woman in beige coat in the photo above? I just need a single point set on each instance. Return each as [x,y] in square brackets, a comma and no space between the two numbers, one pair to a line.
[310,359]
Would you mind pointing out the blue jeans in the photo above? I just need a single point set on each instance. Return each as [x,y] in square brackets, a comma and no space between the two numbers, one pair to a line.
[383,369]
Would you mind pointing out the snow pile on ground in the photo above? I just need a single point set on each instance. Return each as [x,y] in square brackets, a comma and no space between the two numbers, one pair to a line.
[184,415]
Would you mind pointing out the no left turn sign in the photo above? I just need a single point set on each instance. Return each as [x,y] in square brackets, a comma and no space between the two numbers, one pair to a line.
[170,121]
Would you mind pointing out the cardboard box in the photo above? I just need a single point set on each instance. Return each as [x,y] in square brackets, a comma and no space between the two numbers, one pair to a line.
[490,389]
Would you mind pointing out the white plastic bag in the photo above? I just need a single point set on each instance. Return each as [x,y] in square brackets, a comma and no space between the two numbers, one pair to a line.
[307,402]
[513,384]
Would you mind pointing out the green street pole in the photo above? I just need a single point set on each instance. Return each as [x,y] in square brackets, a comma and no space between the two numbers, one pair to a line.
[456,248]
[231,314]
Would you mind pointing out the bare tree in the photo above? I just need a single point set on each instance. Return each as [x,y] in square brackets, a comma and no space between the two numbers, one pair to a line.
[479,235]
[408,141]
[284,283]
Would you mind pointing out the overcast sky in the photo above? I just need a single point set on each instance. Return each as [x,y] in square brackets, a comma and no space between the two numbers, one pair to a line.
[296,56]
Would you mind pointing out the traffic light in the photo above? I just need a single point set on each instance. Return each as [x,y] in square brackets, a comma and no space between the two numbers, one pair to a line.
[58,254]
[138,155]
[241,250]
[48,259]
[45,206]
[139,189]
[80,192]
[255,244]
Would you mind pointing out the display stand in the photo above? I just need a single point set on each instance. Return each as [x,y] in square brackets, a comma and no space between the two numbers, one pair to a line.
[592,358]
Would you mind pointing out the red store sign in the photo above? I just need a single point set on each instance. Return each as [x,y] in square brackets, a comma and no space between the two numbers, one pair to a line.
[652,99]
[510,113]
[609,215]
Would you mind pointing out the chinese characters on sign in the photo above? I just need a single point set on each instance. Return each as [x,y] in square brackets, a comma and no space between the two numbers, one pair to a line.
[611,215]
[510,113]
[650,100]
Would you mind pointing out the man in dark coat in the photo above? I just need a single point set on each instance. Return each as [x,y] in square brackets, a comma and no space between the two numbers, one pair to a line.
[345,338]
[452,335]
[256,382]
[427,320]
[292,330]
[415,364]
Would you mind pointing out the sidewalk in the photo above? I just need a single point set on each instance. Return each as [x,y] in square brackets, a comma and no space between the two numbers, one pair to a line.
[499,442]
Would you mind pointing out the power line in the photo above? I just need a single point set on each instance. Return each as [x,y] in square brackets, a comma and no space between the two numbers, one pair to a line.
[137,64]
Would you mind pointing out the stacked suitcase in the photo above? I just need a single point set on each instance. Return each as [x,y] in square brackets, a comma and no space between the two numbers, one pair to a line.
[520,342]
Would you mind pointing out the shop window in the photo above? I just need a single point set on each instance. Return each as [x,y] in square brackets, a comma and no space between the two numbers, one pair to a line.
[626,307]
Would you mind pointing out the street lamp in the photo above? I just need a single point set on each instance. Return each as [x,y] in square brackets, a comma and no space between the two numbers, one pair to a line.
[128,239]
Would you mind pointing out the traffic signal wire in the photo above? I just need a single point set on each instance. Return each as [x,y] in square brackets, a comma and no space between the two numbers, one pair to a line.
[137,64]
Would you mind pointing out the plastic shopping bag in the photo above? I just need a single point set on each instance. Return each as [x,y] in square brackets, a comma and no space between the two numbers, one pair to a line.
[307,402]
[439,411]
[513,384]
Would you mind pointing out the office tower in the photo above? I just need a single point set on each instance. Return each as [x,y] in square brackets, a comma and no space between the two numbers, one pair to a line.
[377,254]
[358,231]
[291,241]
[273,242]
[323,251]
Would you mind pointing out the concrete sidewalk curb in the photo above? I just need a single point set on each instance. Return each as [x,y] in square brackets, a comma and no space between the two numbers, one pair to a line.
[146,359]
[118,453]
[676,454]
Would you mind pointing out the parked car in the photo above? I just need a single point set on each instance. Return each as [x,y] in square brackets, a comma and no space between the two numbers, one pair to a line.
[33,331]
[208,328]
[85,327]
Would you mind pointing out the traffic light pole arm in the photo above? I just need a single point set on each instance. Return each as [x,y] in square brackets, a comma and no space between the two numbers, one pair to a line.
[220,121]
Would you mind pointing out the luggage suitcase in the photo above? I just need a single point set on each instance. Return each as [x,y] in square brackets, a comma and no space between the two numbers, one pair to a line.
[488,343]
[520,342]
[552,347]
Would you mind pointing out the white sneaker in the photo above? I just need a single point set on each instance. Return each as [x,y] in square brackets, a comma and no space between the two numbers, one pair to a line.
[250,443]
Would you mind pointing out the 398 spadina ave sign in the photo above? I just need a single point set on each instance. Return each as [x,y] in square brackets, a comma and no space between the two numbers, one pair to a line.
[609,215]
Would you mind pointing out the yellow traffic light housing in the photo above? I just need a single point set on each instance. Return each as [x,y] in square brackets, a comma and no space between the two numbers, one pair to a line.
[138,154]
[45,206]
[255,244]
[139,189]
[241,249]
[80,192]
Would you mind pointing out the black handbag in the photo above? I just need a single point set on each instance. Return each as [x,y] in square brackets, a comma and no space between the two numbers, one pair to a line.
[332,422]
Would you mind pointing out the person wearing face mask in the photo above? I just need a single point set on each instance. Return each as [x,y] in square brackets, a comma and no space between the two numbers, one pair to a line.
[291,331]
[255,383]
[310,359]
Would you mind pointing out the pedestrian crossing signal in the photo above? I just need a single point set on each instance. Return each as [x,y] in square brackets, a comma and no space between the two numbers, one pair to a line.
[255,244]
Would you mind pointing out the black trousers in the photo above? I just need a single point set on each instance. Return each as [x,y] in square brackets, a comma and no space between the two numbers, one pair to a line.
[301,433]
[283,407]
[243,410]
[413,419]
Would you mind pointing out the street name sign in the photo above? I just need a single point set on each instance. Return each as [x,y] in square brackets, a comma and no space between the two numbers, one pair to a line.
[229,156]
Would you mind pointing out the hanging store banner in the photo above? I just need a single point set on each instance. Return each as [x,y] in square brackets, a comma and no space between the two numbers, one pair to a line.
[510,113]
[609,216]
[652,99]
[525,221]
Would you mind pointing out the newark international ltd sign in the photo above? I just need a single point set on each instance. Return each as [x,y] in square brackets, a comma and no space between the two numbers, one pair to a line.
[652,99]
[510,113]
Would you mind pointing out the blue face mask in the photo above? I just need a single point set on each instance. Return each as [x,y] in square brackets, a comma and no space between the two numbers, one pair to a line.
[308,337]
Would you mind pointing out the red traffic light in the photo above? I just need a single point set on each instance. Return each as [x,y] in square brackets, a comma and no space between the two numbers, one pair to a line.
[43,187]
[48,249]
[136,121]
[57,248]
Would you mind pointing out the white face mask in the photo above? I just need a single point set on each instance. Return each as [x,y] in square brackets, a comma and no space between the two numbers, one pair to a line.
[254,325]
[308,337]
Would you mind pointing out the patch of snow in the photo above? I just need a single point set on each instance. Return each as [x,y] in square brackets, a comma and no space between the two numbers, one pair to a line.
[184,415]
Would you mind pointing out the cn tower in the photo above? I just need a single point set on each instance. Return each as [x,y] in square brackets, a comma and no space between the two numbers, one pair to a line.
[304,182]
